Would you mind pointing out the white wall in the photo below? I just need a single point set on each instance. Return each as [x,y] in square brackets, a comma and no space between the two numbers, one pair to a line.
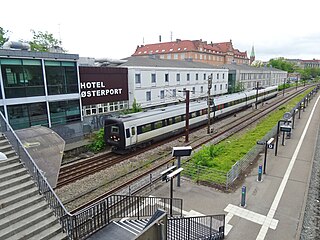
[138,91]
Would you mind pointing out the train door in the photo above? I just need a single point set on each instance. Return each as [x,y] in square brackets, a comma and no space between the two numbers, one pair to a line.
[133,136]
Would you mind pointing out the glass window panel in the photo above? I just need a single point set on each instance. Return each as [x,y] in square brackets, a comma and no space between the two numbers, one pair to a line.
[68,64]
[64,112]
[51,63]
[31,62]
[11,62]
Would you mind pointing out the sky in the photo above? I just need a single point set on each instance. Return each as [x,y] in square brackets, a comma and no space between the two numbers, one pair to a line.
[114,29]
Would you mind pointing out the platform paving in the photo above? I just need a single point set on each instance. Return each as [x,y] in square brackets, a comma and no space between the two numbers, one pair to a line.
[274,207]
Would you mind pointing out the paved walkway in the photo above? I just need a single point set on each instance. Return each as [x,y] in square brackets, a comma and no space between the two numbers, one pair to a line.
[274,207]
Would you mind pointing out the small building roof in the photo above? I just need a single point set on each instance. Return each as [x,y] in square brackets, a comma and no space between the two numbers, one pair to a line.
[46,148]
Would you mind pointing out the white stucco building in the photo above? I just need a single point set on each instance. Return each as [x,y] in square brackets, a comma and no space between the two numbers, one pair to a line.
[154,82]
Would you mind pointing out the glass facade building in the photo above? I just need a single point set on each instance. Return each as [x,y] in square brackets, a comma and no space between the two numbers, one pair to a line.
[39,88]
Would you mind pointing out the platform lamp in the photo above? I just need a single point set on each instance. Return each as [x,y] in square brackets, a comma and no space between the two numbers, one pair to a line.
[180,152]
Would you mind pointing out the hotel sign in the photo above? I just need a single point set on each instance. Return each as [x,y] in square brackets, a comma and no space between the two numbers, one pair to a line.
[103,85]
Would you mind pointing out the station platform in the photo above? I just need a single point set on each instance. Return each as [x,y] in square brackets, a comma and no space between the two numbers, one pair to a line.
[275,206]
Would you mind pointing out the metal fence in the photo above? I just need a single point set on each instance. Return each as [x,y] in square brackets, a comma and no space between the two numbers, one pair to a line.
[84,223]
[202,227]
[116,207]
[241,165]
[205,174]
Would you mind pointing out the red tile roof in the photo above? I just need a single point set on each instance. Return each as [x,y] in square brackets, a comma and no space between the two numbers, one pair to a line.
[188,46]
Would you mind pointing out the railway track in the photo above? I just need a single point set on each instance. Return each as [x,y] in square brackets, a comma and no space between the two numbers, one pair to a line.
[216,137]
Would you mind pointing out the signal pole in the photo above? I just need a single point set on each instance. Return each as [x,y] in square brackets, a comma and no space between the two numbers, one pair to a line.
[257,95]
[209,88]
[187,115]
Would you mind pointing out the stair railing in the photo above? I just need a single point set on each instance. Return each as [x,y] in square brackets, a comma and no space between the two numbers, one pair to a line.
[44,187]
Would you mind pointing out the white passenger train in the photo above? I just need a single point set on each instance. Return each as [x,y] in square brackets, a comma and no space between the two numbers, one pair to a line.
[127,132]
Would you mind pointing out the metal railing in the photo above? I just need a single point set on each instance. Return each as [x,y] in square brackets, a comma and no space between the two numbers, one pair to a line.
[202,227]
[241,165]
[44,187]
[116,207]
[93,218]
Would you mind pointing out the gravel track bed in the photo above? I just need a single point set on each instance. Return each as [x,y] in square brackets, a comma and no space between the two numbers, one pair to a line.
[102,178]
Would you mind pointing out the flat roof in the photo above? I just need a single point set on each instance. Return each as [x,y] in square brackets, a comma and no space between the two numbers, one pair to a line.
[33,54]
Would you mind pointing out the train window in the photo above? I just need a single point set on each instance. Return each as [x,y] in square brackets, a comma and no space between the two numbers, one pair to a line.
[158,125]
[139,130]
[127,133]
[133,131]
[164,122]
[146,128]
[172,120]
[204,111]
[197,113]
[114,129]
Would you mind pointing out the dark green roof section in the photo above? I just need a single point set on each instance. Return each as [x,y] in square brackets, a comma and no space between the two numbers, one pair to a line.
[34,54]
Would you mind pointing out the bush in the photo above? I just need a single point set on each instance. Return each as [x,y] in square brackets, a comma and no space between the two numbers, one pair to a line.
[98,143]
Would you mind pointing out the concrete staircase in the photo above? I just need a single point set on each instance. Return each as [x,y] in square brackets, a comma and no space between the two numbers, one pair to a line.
[24,213]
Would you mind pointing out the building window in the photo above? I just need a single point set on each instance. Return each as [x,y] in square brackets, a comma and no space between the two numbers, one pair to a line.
[201,89]
[162,94]
[61,77]
[166,77]
[148,96]
[226,86]
[22,78]
[27,115]
[197,76]
[137,78]
[193,90]
[64,112]
[153,78]
[217,75]
[178,77]
[184,91]
[220,86]
[222,75]
[175,56]
[188,76]
[204,76]
[174,92]
[215,87]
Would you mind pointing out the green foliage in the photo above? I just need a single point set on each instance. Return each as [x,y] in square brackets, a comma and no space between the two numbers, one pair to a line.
[309,73]
[281,63]
[98,143]
[136,107]
[3,37]
[239,87]
[222,156]
[43,41]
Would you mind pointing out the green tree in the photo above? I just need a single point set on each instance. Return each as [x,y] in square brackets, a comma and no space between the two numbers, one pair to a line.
[136,107]
[282,64]
[43,41]
[3,34]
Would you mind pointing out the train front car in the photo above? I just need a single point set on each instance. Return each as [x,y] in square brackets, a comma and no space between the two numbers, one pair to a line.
[114,133]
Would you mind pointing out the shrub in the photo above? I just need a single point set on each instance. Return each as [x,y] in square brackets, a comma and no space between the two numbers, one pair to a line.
[98,143]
